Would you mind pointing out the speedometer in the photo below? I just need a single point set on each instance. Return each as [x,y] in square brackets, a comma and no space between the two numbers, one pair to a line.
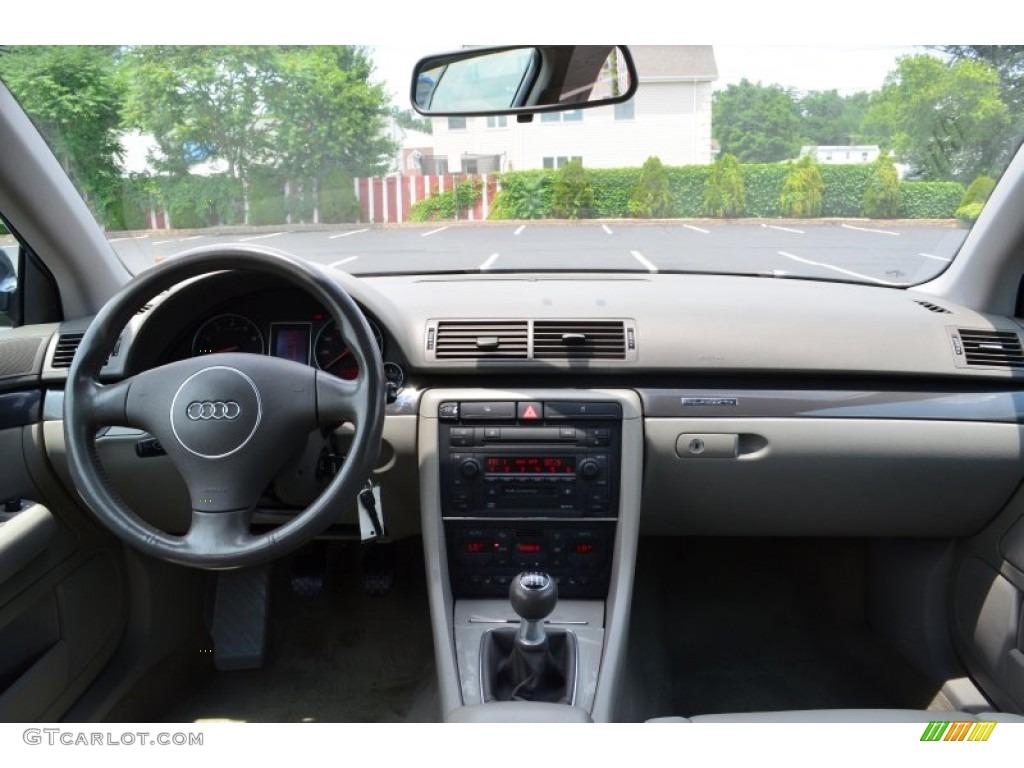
[333,354]
[227,333]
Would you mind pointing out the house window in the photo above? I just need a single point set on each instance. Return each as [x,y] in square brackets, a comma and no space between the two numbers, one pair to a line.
[574,116]
[456,123]
[469,166]
[551,163]
[497,121]
[626,110]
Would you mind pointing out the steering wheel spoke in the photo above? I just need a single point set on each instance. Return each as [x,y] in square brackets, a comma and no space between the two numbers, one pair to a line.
[337,400]
[104,405]
[214,533]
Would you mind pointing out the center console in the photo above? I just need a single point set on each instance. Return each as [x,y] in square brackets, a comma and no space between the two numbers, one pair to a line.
[530,486]
[540,481]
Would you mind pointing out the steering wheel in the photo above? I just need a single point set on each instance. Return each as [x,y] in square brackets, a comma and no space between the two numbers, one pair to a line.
[228,422]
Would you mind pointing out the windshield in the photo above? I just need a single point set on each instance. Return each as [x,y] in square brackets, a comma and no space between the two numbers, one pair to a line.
[869,166]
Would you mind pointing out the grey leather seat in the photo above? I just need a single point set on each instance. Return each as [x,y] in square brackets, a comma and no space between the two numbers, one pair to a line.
[846,716]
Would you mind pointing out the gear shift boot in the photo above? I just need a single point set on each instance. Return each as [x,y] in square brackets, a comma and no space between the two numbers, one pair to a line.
[510,672]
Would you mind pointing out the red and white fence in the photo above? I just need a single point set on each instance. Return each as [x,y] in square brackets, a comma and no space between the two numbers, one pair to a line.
[387,200]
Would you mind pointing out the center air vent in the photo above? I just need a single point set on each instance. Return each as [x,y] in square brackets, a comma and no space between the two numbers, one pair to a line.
[65,350]
[934,308]
[992,349]
[579,340]
[482,340]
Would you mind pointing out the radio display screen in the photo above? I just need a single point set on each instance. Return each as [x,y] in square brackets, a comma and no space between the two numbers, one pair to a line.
[530,465]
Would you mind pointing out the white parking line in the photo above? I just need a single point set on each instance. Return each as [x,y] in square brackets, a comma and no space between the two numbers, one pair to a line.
[259,237]
[164,242]
[785,229]
[119,239]
[194,237]
[937,258]
[868,229]
[607,229]
[697,229]
[490,261]
[857,275]
[140,237]
[344,261]
[519,229]
[433,231]
[640,257]
[346,234]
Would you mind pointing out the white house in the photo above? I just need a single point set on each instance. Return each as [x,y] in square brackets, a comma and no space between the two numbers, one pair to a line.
[670,116]
[843,155]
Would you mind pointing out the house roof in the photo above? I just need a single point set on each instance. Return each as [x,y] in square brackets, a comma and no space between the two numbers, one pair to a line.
[669,62]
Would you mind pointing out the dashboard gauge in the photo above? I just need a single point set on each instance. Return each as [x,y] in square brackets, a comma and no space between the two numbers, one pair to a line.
[333,354]
[227,333]
[394,374]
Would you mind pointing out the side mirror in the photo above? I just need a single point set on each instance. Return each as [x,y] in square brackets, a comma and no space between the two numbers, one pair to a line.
[523,79]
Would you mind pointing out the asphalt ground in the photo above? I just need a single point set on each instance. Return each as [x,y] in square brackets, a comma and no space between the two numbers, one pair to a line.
[873,252]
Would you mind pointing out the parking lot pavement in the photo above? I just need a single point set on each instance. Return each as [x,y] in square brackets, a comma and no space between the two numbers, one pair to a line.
[898,254]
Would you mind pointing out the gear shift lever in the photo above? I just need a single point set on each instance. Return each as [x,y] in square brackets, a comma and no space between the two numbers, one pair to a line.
[531,663]
[533,597]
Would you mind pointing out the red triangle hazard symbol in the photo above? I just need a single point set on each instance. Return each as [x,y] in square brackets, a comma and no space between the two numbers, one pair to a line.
[530,413]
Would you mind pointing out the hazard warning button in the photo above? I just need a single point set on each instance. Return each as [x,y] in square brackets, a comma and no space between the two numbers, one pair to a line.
[530,411]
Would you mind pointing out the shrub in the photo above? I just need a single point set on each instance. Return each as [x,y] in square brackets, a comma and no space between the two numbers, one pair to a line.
[844,189]
[336,199]
[725,193]
[881,198]
[974,199]
[572,194]
[523,195]
[802,190]
[930,199]
[448,204]
[650,196]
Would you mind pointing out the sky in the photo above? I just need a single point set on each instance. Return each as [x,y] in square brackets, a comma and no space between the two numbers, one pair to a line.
[846,67]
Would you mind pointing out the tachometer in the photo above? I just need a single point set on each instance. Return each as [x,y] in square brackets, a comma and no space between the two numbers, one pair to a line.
[333,354]
[227,333]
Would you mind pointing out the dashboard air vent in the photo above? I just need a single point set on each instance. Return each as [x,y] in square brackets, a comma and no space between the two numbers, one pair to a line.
[482,340]
[579,340]
[67,345]
[934,307]
[1001,349]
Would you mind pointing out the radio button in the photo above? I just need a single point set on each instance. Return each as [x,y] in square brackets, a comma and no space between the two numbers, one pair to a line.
[487,411]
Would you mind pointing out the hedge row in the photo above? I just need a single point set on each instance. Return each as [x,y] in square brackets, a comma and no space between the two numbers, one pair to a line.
[527,194]
[219,200]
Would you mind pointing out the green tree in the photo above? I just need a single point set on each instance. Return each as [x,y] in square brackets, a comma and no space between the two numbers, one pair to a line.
[203,102]
[572,196]
[73,96]
[650,196]
[947,119]
[882,197]
[831,119]
[725,194]
[802,190]
[757,123]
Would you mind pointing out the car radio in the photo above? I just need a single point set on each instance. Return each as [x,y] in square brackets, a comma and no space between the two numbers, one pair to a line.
[530,485]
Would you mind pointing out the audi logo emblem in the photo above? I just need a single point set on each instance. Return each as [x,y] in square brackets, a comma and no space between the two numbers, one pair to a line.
[213,411]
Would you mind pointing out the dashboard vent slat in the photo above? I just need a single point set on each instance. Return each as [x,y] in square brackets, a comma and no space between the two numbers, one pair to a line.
[1000,349]
[482,340]
[64,353]
[934,308]
[579,340]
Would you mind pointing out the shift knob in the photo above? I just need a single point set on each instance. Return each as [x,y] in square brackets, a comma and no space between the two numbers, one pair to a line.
[533,596]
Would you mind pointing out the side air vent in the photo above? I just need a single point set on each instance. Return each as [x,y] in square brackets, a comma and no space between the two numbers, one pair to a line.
[67,345]
[482,340]
[934,307]
[998,349]
[579,340]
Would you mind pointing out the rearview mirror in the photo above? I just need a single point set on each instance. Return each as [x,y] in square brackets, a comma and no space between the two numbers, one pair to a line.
[523,79]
